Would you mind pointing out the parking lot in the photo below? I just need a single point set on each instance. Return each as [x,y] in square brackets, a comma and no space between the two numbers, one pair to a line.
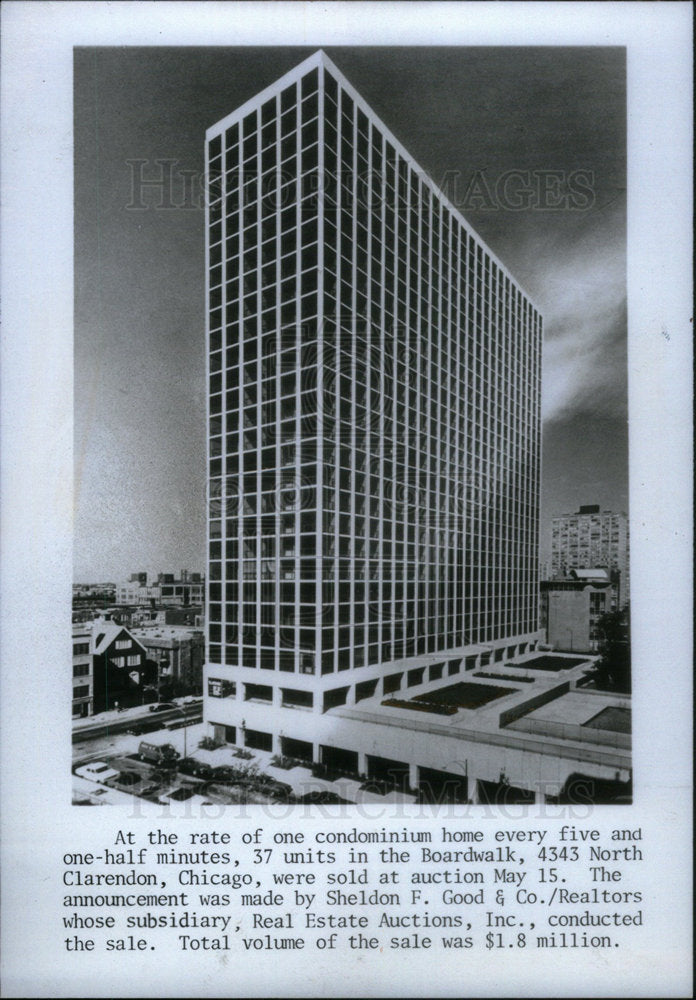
[224,775]
[229,776]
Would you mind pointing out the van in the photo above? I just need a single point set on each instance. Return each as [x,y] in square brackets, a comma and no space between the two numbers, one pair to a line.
[162,754]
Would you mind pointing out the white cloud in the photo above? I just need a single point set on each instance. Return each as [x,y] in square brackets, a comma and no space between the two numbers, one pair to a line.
[584,362]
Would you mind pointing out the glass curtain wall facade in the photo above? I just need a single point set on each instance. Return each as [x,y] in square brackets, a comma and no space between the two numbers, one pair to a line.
[374,387]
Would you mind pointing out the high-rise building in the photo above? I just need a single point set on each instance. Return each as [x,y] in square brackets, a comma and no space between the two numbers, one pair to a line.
[374,424]
[590,538]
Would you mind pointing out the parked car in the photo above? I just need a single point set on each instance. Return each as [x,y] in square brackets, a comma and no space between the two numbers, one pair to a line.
[280,792]
[151,792]
[189,765]
[321,797]
[128,778]
[162,706]
[162,754]
[225,773]
[96,770]
[184,795]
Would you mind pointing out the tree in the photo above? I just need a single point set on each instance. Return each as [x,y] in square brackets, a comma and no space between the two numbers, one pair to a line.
[613,669]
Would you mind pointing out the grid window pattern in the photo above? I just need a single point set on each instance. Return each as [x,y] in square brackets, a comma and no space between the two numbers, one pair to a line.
[373,401]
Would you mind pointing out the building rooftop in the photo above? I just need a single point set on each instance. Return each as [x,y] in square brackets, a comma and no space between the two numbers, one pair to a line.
[319,58]
[104,634]
[599,575]
[587,510]
[155,630]
[578,707]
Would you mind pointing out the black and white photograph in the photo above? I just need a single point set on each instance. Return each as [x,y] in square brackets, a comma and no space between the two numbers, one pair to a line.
[369,383]
[346,499]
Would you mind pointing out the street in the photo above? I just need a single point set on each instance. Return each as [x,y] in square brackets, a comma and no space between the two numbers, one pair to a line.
[138,719]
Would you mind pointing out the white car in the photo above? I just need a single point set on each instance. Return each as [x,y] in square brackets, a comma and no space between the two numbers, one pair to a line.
[97,770]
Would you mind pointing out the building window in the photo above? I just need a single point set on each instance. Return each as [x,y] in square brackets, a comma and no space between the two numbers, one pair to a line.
[81,670]
[297,699]
[307,663]
[81,692]
[258,692]
[80,648]
[218,688]
[123,644]
[392,683]
[256,740]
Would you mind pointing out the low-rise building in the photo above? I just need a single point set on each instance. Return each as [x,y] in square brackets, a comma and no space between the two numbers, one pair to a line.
[135,590]
[190,616]
[182,591]
[571,607]
[121,672]
[82,676]
[177,653]
[93,591]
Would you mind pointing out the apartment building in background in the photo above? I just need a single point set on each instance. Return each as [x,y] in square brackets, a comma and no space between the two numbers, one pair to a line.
[93,591]
[82,691]
[592,538]
[374,452]
[188,588]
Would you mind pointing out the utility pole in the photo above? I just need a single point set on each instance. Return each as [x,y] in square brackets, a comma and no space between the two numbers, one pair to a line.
[185,727]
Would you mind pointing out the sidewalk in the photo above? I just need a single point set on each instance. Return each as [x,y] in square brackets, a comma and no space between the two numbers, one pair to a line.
[185,740]
[104,718]
[136,713]
[299,779]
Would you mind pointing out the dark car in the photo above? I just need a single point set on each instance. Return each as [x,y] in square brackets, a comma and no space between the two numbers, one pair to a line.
[162,755]
[225,773]
[151,792]
[189,765]
[128,778]
[162,706]
[280,792]
[322,797]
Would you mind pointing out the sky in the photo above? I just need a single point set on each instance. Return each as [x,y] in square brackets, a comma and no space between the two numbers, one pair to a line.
[529,143]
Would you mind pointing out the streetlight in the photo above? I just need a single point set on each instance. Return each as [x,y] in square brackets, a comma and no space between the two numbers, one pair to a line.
[163,661]
[179,708]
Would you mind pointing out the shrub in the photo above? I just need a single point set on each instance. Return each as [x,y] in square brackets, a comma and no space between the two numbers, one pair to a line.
[208,743]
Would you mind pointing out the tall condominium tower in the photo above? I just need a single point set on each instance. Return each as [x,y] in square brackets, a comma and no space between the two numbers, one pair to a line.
[592,538]
[374,426]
